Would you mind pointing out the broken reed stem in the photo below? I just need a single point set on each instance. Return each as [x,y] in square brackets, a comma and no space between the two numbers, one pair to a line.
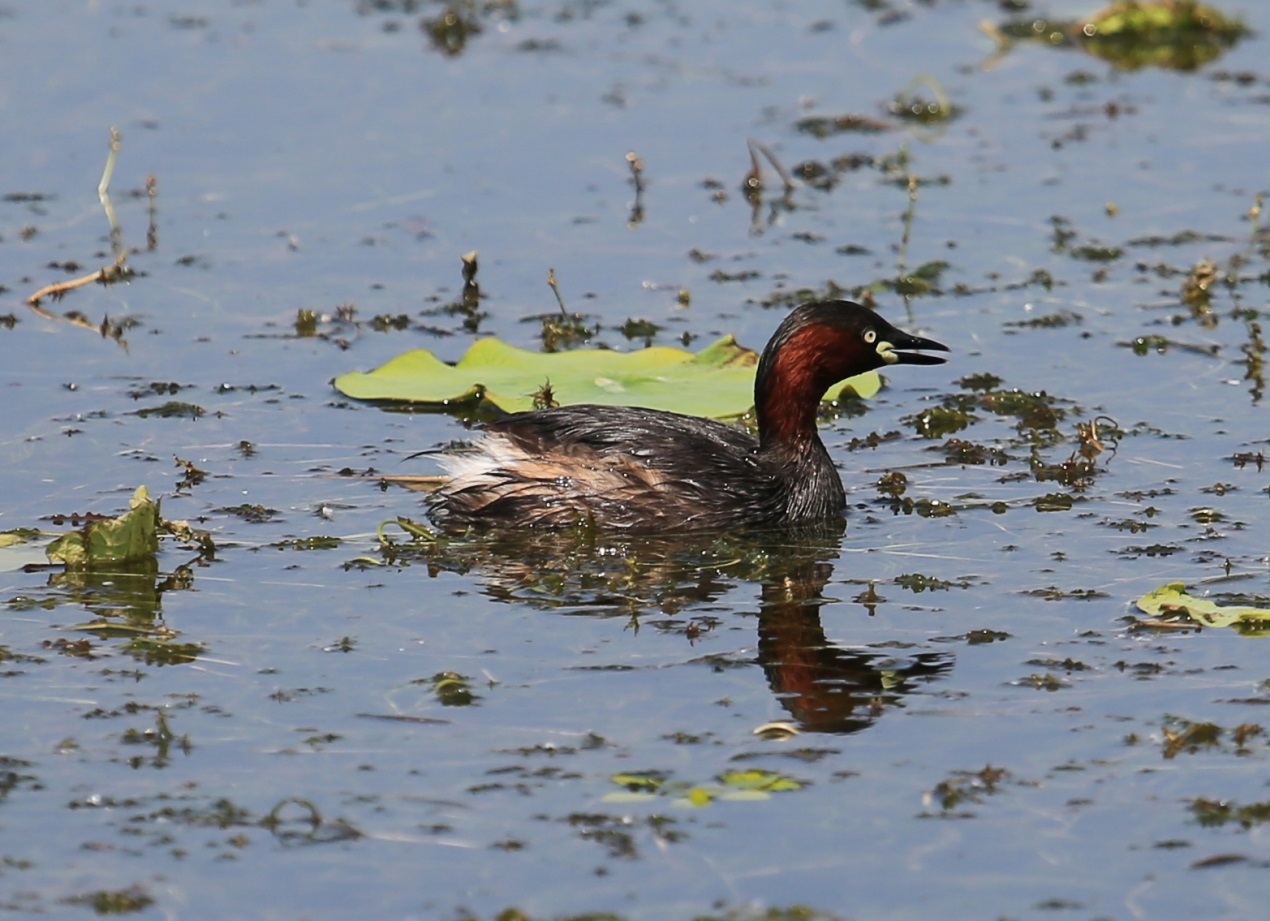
[637,171]
[117,270]
[152,194]
[555,288]
[115,139]
[106,276]
[103,191]
[910,213]
[637,180]
[754,179]
[471,301]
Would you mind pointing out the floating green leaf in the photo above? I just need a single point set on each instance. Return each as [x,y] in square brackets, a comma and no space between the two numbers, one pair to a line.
[636,782]
[17,537]
[1169,19]
[717,382]
[130,537]
[1130,34]
[21,547]
[759,780]
[734,786]
[1170,602]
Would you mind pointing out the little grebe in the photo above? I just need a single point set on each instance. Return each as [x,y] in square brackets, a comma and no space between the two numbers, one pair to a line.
[647,470]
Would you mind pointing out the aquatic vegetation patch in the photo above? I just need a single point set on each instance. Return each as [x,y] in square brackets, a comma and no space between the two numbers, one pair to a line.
[749,784]
[114,901]
[960,789]
[316,542]
[252,514]
[1170,605]
[451,689]
[1178,35]
[1054,593]
[172,409]
[917,583]
[1041,682]
[1183,736]
[1212,813]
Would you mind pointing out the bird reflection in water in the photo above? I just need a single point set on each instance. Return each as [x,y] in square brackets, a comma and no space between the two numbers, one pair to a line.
[824,687]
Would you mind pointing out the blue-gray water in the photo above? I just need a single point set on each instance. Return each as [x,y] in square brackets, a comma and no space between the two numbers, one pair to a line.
[1008,745]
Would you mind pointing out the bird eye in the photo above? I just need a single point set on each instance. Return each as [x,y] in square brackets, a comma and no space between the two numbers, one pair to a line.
[870,336]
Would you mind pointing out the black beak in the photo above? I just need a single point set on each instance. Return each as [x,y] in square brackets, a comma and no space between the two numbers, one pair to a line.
[901,343]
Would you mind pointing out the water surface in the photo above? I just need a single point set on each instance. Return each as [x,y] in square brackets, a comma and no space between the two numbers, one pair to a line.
[981,728]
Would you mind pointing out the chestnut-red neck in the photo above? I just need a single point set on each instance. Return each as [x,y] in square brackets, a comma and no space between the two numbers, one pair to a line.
[794,375]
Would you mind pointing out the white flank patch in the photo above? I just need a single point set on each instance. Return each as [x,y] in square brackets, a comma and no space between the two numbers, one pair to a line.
[480,464]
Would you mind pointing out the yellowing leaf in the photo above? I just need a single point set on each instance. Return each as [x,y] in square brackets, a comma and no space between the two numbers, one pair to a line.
[21,547]
[637,781]
[1170,20]
[760,780]
[1130,34]
[717,382]
[130,537]
[698,796]
[1171,602]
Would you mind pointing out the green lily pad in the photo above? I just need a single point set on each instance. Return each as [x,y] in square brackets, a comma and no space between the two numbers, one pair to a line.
[717,382]
[1171,602]
[130,537]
